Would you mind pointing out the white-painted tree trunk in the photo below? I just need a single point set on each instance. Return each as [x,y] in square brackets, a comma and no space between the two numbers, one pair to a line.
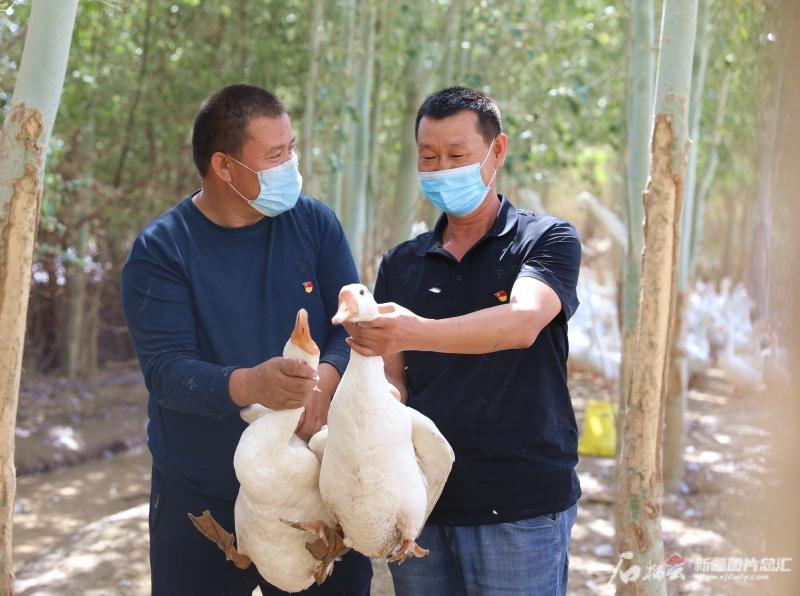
[640,474]
[23,146]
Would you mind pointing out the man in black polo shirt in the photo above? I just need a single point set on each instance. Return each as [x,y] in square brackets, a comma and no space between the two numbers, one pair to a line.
[475,337]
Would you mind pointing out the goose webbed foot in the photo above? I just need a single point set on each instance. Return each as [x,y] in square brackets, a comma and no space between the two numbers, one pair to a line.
[210,528]
[327,548]
[407,548]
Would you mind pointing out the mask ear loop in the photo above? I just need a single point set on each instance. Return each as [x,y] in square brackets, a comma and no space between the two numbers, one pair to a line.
[241,164]
[240,194]
[488,186]
[233,187]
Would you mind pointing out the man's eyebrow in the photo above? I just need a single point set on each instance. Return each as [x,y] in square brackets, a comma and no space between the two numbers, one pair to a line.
[457,144]
[451,144]
[281,146]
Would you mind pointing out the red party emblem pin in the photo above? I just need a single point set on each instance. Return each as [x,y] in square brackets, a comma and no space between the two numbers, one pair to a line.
[501,296]
[308,287]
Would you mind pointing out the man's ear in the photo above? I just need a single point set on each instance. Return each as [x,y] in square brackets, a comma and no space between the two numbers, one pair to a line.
[500,148]
[221,165]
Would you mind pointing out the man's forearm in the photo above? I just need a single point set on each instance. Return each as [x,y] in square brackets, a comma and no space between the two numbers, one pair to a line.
[503,327]
[512,326]
[328,379]
[189,385]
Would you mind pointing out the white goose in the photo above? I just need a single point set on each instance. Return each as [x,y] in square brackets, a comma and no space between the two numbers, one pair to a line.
[743,371]
[279,478]
[384,464]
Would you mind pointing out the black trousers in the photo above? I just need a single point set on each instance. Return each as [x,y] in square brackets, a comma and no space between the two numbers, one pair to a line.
[183,562]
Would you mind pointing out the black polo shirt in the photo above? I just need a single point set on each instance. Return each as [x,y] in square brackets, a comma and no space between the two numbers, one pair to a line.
[508,415]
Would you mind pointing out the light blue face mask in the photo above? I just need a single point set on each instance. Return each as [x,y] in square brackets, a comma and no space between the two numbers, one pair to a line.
[280,187]
[457,191]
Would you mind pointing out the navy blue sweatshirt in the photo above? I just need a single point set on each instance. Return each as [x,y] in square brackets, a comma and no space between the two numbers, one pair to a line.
[202,300]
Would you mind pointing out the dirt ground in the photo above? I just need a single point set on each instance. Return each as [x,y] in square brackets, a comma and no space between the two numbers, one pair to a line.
[82,529]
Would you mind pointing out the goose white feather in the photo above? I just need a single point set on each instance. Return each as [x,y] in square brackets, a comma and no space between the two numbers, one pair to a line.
[384,464]
[279,478]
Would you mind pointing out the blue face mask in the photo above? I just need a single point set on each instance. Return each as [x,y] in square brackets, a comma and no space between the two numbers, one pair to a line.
[457,191]
[280,187]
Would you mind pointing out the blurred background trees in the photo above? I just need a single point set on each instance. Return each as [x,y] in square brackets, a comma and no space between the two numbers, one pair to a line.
[352,73]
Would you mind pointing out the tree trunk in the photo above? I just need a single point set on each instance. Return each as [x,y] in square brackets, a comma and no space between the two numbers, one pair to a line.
[711,168]
[464,45]
[731,258]
[703,45]
[758,274]
[677,379]
[88,361]
[341,168]
[451,42]
[675,408]
[244,37]
[76,286]
[641,79]
[355,223]
[309,115]
[375,234]
[407,185]
[23,146]
[640,487]
[137,96]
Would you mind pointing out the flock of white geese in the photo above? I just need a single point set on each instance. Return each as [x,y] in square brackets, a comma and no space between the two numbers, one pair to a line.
[717,331]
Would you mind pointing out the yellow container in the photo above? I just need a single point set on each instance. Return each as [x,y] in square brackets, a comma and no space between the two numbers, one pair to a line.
[599,438]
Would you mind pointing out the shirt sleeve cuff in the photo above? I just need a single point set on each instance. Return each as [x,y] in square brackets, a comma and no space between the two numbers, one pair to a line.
[546,277]
[338,359]
[226,407]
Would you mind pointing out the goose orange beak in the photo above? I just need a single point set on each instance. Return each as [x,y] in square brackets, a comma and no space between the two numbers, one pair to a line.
[348,308]
[301,334]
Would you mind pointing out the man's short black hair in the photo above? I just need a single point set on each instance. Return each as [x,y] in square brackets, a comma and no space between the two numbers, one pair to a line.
[453,100]
[221,123]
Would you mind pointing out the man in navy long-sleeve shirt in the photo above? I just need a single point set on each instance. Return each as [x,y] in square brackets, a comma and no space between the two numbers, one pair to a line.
[210,292]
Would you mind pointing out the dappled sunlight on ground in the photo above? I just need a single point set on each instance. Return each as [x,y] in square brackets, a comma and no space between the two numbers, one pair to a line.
[49,508]
[108,556]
